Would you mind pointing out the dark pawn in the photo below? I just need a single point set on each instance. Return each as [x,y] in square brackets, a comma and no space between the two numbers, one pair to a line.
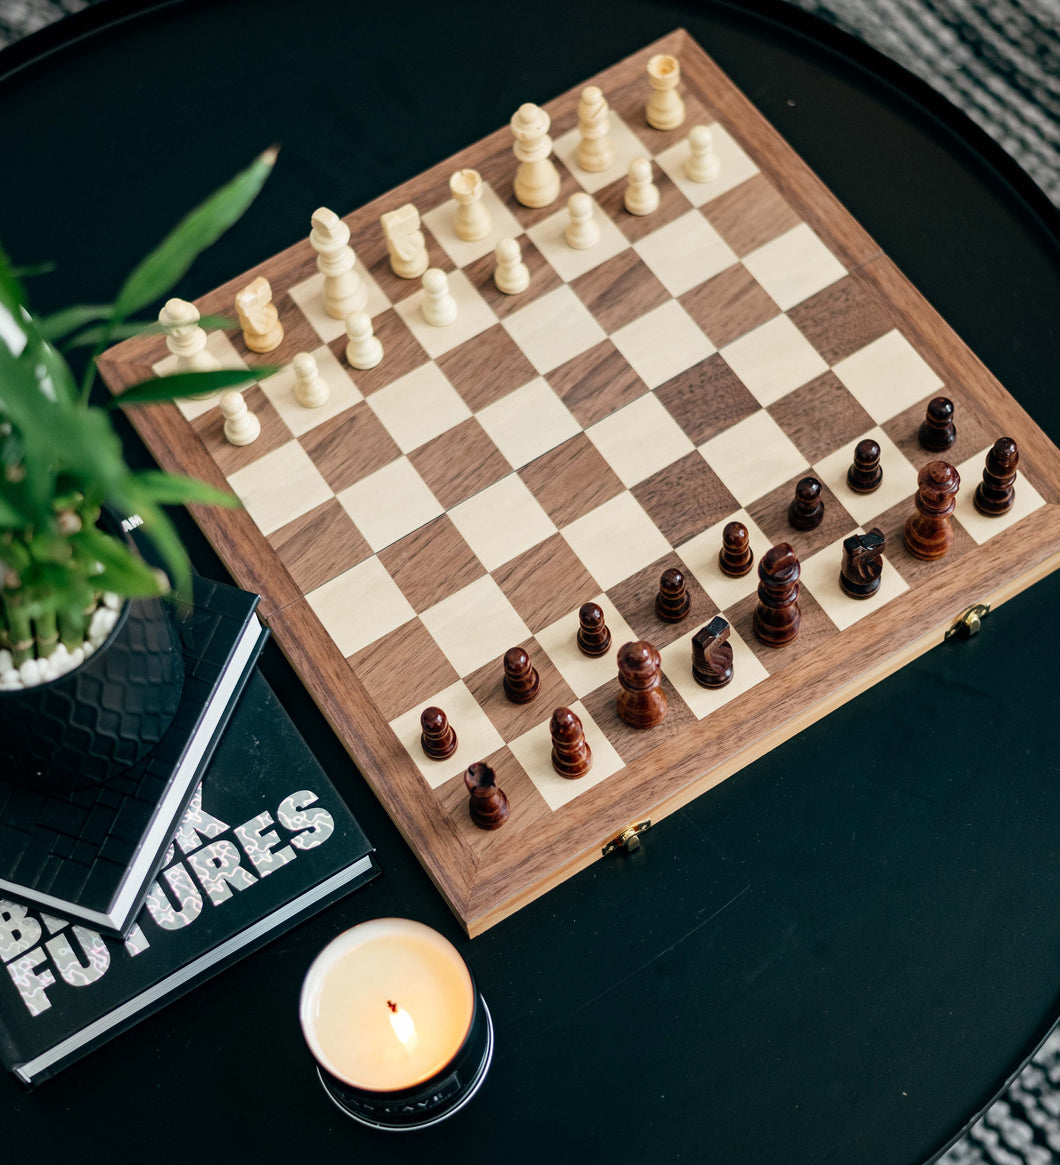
[807,508]
[594,637]
[571,755]
[673,600]
[487,804]
[866,472]
[938,431]
[712,654]
[438,735]
[928,532]
[862,567]
[736,556]
[520,676]
[777,617]
[996,492]
[641,701]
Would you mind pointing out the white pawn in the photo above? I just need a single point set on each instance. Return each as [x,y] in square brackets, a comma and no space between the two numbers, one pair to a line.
[511,274]
[582,232]
[472,220]
[595,151]
[642,195]
[310,388]
[241,426]
[702,164]
[438,307]
[344,290]
[185,339]
[364,349]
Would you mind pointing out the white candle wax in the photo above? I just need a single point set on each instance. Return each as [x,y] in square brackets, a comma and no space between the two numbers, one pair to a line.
[387,1005]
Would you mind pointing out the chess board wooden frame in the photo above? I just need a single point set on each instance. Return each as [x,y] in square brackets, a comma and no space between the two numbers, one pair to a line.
[487,876]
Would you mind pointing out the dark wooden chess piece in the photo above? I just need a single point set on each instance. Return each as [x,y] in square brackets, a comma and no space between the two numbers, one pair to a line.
[736,556]
[673,600]
[862,567]
[594,637]
[520,676]
[807,507]
[777,617]
[641,700]
[865,472]
[712,654]
[487,804]
[438,736]
[571,755]
[938,431]
[996,492]
[928,532]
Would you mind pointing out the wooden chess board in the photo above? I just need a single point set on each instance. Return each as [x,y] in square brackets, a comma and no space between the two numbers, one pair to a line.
[473,490]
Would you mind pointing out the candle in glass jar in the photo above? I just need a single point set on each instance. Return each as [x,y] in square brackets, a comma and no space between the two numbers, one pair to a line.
[387,1005]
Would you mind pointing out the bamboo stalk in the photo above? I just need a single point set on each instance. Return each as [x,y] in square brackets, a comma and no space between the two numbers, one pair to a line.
[71,622]
[21,630]
[47,634]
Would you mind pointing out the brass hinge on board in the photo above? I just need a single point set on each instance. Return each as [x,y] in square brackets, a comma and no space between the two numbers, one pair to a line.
[628,840]
[969,622]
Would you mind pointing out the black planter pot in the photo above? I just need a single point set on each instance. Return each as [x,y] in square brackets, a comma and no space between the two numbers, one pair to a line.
[93,723]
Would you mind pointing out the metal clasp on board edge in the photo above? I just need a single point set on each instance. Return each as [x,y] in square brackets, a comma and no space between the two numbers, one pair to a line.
[969,622]
[628,840]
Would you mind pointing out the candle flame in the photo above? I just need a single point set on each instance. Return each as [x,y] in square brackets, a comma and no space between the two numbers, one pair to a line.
[403,1026]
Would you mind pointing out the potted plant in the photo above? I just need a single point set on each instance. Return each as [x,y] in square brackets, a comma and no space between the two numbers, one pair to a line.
[90,670]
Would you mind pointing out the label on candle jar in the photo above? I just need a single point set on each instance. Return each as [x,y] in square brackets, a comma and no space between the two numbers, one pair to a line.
[387,1005]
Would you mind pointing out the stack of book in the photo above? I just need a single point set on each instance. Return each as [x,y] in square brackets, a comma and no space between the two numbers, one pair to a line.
[117,898]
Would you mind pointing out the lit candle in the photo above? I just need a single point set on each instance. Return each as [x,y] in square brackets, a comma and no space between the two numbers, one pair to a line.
[390,1012]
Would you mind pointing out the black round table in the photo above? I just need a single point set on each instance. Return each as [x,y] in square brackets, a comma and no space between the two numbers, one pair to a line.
[840,954]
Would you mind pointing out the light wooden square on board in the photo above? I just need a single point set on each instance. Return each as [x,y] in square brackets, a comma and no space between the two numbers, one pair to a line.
[615,540]
[773,359]
[360,605]
[476,736]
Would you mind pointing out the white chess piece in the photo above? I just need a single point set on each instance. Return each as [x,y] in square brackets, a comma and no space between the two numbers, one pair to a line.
[185,339]
[241,426]
[536,179]
[642,195]
[511,274]
[258,317]
[405,241]
[310,388]
[364,349]
[583,231]
[665,109]
[344,290]
[595,151]
[702,164]
[472,221]
[439,306]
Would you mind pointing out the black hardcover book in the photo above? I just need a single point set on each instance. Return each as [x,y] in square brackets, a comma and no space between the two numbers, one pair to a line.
[91,854]
[265,842]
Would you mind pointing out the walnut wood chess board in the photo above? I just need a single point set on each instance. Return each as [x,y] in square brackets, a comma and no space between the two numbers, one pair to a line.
[570,443]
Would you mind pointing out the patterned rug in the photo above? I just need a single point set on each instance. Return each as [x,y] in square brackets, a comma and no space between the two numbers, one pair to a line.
[999,61]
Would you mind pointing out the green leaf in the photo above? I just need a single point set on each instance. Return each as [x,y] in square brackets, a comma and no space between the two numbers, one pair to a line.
[10,518]
[33,271]
[101,333]
[11,294]
[182,384]
[169,261]
[170,490]
[160,530]
[58,372]
[122,571]
[63,322]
